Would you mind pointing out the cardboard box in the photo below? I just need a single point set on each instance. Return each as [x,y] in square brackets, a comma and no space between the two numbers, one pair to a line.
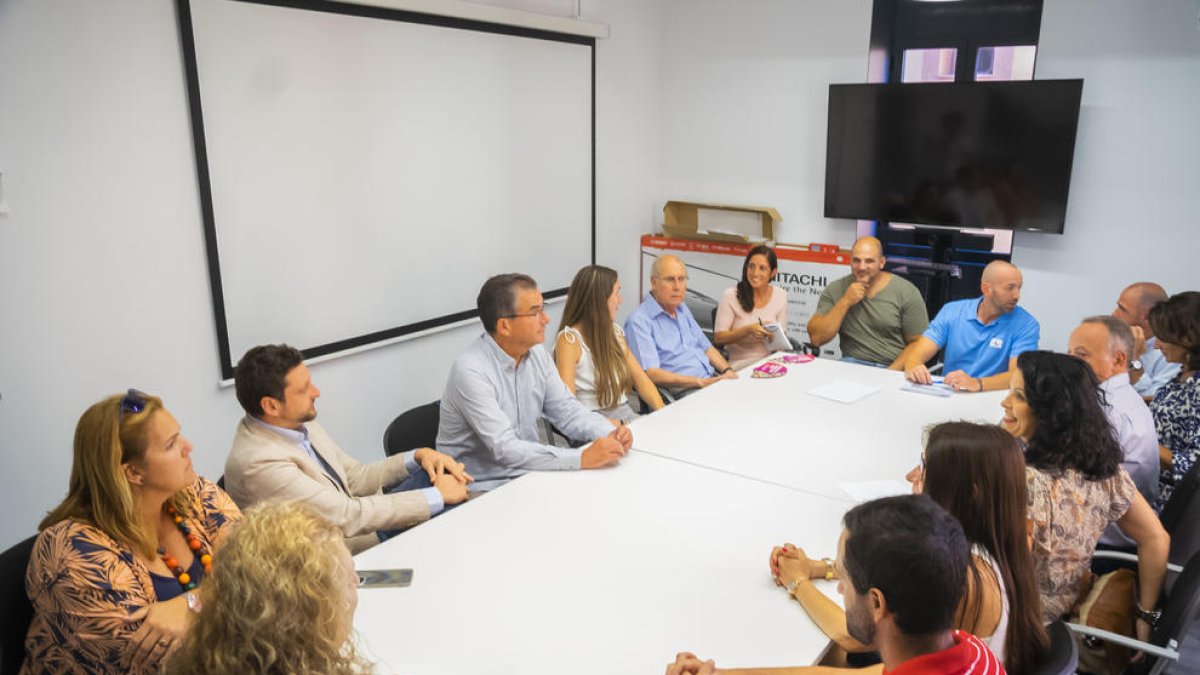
[720,222]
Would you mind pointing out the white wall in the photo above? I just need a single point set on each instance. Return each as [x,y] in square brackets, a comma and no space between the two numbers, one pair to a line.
[1134,203]
[745,97]
[103,279]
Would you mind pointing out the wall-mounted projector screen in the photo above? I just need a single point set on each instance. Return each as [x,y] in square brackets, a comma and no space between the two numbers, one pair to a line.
[363,170]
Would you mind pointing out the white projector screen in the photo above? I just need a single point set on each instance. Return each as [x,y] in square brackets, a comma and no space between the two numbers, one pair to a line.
[363,170]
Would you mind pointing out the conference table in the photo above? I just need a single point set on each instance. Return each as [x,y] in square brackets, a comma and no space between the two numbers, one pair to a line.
[615,570]
[776,431]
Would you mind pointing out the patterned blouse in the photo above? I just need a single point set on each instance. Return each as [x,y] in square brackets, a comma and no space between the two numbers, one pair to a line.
[1176,409]
[1069,513]
[83,583]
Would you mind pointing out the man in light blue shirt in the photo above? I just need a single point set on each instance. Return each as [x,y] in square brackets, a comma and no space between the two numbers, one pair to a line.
[503,383]
[665,338]
[1105,343]
[982,337]
[1149,370]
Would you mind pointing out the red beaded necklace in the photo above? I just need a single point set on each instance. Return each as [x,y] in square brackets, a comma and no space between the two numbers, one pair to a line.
[185,580]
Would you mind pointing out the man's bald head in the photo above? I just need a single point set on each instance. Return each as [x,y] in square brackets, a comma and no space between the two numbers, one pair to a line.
[1134,303]
[1001,285]
[668,282]
[999,269]
[868,245]
[866,260]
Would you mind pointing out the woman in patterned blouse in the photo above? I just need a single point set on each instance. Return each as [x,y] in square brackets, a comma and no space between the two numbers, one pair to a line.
[1176,406]
[105,599]
[1076,485]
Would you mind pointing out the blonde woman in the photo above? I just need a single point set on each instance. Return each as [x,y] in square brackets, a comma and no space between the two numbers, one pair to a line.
[114,572]
[281,601]
[591,354]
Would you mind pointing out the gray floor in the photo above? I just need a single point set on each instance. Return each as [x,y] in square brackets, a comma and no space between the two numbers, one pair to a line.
[1189,661]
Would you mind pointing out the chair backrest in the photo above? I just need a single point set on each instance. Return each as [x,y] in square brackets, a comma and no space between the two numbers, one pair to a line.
[1182,605]
[414,428]
[15,609]
[1184,530]
[1063,656]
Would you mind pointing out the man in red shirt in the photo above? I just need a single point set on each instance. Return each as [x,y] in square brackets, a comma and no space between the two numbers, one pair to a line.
[902,564]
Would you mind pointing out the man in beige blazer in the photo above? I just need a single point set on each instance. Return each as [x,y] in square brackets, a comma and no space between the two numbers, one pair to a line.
[280,453]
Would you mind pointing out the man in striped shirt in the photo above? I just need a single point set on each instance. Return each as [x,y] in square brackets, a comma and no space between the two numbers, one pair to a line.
[902,564]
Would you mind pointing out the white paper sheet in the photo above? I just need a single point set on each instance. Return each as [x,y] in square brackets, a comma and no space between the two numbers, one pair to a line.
[866,490]
[843,391]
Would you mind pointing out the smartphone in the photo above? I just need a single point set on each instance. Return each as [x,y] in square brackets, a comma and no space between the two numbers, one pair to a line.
[395,578]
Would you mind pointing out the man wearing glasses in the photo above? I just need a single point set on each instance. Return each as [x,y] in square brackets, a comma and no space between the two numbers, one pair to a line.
[665,338]
[503,383]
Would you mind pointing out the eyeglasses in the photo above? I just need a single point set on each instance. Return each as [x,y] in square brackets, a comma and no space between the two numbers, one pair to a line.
[133,403]
[674,281]
[533,311]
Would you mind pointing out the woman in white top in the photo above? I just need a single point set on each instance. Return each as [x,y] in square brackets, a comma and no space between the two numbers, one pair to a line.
[977,473]
[741,326]
[590,352]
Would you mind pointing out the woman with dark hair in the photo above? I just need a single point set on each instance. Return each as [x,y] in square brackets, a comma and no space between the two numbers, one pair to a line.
[591,354]
[750,311]
[975,472]
[114,572]
[1076,486]
[1176,406]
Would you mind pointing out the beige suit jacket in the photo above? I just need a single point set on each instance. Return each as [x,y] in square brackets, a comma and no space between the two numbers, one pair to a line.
[264,465]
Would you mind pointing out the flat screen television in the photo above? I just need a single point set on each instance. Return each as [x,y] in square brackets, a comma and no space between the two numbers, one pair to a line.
[962,154]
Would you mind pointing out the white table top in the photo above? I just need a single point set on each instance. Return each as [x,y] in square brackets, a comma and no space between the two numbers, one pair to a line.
[608,571]
[773,430]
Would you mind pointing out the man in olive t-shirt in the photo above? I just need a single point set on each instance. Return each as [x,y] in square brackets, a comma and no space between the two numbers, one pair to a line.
[876,313]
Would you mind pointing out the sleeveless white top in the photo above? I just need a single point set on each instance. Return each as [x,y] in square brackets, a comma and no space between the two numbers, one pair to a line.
[996,641]
[585,370]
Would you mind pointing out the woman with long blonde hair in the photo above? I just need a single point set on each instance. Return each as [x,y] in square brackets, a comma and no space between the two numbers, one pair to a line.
[114,572]
[591,354]
[281,601]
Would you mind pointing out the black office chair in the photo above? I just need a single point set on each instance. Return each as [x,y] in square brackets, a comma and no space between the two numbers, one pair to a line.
[16,612]
[413,428]
[1179,517]
[221,482]
[1179,611]
[1063,657]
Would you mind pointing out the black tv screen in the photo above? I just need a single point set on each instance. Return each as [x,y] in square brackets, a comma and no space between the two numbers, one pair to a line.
[963,154]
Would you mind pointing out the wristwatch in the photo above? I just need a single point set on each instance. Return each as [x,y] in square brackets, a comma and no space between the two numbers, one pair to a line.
[726,370]
[1135,364]
[1150,617]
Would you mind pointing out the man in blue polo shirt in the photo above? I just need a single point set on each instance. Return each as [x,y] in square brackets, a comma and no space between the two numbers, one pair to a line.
[665,338]
[982,337]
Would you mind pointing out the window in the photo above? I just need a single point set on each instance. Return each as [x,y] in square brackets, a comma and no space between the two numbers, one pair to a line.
[1005,63]
[929,65]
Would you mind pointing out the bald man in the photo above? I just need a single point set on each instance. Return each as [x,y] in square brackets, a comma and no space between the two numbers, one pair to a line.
[665,338]
[982,337]
[1149,370]
[876,313]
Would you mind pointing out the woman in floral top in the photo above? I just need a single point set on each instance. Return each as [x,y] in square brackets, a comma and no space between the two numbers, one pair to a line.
[1176,406]
[1076,484]
[111,573]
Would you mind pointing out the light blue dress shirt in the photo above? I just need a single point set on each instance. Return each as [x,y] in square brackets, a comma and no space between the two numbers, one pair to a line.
[1156,370]
[676,345]
[490,411]
[981,350]
[299,438]
[1133,424]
